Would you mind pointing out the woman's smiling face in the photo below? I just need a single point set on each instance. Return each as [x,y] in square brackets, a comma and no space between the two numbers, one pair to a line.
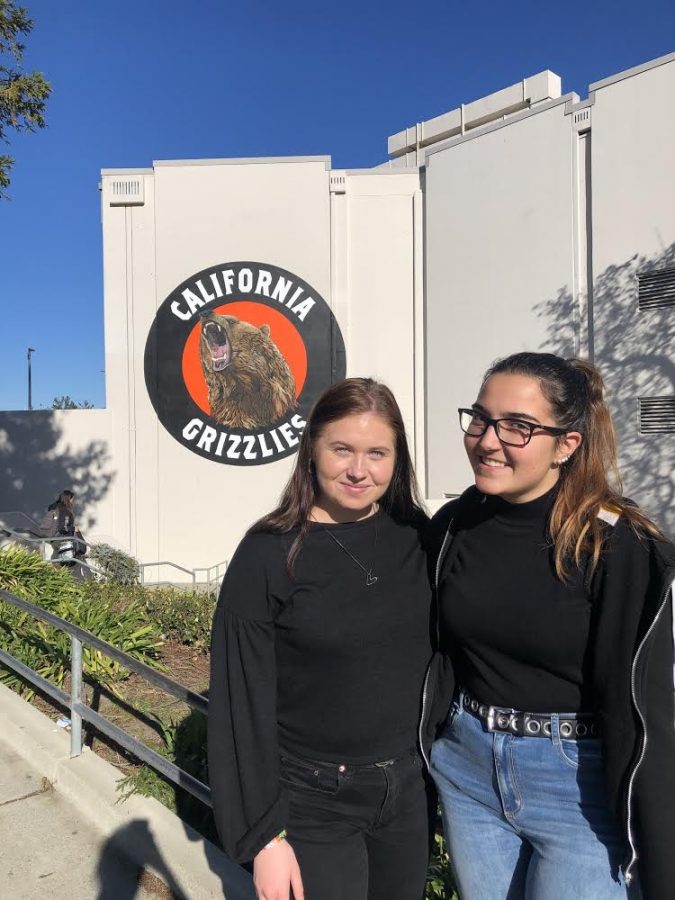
[354,460]
[518,474]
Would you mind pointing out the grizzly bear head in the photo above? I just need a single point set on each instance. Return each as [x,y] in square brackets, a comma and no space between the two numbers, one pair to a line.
[249,382]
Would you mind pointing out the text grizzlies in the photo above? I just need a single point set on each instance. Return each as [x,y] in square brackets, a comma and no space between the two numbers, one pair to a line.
[254,446]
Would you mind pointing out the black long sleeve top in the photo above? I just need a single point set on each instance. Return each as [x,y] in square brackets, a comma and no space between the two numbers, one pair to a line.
[319,664]
[520,635]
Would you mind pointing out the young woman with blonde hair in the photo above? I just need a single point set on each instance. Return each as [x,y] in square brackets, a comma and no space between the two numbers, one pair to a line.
[555,764]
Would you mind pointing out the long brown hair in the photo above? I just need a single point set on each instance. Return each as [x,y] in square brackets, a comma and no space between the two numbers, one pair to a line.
[576,393]
[346,398]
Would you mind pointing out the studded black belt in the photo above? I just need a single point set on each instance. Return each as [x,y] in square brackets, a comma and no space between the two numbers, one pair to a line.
[525,724]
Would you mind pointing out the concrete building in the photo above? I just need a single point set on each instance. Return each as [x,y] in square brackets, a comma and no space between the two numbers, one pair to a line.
[529,219]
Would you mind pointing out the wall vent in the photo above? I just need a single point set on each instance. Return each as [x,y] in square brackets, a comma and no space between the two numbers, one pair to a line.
[656,289]
[581,119]
[338,183]
[129,191]
[656,415]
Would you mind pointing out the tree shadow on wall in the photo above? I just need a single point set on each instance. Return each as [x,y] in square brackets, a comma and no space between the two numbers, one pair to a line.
[634,351]
[33,471]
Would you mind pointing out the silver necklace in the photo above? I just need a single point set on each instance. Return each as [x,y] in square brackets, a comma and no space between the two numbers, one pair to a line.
[370,578]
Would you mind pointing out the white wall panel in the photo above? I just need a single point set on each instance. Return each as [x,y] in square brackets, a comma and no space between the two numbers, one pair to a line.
[633,141]
[499,234]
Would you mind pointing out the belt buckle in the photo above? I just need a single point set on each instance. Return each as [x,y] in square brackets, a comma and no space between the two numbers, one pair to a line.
[490,718]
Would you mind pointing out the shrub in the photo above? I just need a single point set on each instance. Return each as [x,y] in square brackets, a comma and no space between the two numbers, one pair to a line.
[47,649]
[178,615]
[115,565]
[440,882]
[24,573]
[183,616]
[184,745]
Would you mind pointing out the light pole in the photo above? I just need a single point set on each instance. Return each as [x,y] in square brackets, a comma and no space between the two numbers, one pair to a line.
[31,350]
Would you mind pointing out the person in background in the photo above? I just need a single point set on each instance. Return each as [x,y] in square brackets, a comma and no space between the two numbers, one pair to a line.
[555,764]
[319,648]
[60,521]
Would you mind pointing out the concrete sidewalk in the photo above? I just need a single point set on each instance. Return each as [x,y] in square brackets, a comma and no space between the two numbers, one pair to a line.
[48,850]
[64,835]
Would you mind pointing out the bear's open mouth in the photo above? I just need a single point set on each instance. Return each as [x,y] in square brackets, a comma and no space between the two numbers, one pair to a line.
[219,345]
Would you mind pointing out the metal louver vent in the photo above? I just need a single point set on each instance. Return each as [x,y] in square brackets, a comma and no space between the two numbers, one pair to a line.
[581,120]
[656,415]
[125,191]
[656,290]
[338,183]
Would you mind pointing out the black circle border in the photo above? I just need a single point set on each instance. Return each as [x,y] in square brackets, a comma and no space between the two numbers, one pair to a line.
[172,401]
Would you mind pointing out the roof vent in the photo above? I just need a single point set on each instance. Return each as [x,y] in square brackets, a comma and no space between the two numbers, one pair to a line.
[656,289]
[656,415]
[125,191]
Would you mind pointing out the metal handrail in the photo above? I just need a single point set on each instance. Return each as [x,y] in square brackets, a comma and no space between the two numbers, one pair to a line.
[166,562]
[23,515]
[218,575]
[25,539]
[79,711]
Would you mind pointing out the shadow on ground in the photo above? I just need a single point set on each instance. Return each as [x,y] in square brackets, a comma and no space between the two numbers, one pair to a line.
[189,753]
[136,838]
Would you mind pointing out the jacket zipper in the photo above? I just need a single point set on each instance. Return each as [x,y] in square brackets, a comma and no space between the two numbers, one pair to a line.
[628,875]
[425,687]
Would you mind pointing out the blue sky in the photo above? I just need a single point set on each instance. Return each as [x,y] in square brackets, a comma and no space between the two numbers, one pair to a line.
[137,80]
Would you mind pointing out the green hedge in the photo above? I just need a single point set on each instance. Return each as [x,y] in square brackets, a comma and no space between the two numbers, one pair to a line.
[178,615]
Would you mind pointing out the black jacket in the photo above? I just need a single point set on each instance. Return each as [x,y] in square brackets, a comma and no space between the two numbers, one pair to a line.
[64,519]
[632,683]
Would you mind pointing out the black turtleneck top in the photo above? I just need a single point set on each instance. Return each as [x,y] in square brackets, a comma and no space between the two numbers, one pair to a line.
[520,635]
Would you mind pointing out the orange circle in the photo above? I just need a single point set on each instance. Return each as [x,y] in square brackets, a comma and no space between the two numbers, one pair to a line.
[284,334]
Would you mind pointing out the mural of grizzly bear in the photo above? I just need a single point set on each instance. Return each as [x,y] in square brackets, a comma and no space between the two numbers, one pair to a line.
[249,382]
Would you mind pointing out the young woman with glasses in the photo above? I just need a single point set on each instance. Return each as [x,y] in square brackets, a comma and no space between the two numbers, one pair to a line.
[555,764]
[320,645]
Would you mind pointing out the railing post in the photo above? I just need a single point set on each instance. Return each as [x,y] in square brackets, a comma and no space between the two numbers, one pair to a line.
[75,696]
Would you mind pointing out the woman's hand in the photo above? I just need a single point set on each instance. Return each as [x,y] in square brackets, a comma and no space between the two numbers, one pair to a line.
[275,870]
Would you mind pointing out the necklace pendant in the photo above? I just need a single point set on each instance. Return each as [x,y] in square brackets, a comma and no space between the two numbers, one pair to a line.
[370,579]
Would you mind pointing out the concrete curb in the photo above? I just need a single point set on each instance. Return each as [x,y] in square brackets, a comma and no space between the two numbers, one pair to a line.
[139,828]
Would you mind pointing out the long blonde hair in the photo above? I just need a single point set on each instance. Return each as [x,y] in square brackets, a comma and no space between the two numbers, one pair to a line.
[590,480]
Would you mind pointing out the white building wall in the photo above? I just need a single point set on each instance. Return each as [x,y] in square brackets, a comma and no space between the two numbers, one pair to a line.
[352,241]
[376,261]
[500,248]
[129,291]
[44,452]
[633,190]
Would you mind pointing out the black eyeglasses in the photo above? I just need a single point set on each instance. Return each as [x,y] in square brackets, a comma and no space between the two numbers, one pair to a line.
[514,432]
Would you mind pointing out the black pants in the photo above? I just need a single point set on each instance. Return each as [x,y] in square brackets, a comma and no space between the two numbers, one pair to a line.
[360,832]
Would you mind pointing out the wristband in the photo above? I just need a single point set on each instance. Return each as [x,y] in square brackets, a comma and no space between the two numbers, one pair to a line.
[277,839]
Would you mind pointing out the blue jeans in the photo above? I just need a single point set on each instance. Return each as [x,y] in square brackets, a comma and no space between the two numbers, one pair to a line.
[359,832]
[526,817]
